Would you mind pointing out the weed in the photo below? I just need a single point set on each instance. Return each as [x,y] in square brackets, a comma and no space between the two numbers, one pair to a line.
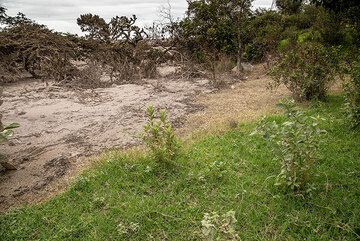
[219,227]
[160,138]
[295,143]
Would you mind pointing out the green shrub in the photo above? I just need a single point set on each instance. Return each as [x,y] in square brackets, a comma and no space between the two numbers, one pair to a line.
[307,70]
[283,45]
[159,137]
[294,143]
[353,97]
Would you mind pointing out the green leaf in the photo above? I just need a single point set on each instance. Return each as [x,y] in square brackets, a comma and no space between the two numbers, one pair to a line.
[12,126]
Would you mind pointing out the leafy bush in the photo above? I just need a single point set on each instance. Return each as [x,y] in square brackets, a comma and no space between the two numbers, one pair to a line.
[269,27]
[307,70]
[294,143]
[160,138]
[219,227]
[353,97]
[214,28]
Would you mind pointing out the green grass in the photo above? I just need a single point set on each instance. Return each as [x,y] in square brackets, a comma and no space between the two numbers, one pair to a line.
[169,203]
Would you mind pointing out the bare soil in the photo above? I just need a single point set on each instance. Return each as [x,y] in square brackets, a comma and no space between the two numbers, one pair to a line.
[62,128]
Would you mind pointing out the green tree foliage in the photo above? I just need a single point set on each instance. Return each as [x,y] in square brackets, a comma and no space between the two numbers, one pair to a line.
[213,27]
[345,13]
[348,7]
[289,6]
[273,28]
[269,27]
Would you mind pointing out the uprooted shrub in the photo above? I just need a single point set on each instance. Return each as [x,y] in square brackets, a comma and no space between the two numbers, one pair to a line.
[294,143]
[113,45]
[86,76]
[26,46]
[353,97]
[150,58]
[160,138]
[307,70]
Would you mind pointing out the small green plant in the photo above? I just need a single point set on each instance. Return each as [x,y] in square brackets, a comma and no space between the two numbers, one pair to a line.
[294,142]
[159,137]
[307,70]
[7,131]
[352,105]
[219,227]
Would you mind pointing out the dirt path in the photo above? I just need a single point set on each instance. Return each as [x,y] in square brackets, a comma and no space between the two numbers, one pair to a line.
[61,128]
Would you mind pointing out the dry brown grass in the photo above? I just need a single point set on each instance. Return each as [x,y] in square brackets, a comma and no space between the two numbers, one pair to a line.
[244,101]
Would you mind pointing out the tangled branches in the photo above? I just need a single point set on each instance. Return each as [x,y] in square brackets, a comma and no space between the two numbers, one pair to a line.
[117,50]
[28,47]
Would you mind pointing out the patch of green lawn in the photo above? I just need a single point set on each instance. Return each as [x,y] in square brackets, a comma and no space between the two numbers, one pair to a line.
[131,198]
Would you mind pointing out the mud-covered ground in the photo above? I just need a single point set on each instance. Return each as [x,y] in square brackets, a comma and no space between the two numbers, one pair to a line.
[60,128]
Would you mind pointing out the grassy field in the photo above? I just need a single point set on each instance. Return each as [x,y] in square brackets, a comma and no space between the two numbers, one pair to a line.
[128,197]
